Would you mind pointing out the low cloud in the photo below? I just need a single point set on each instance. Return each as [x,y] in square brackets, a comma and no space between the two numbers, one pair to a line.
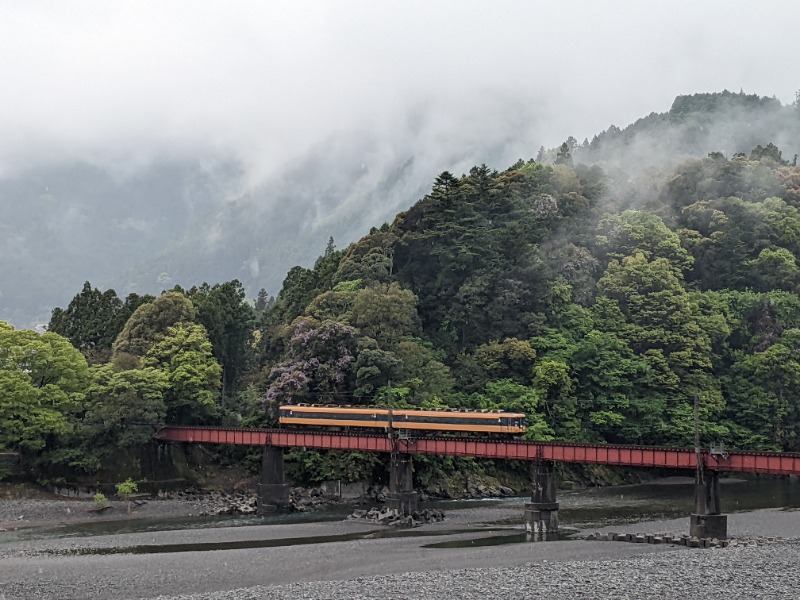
[125,84]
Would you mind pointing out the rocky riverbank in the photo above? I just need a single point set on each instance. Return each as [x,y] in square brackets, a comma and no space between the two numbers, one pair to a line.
[477,552]
[678,575]
[359,560]
[37,508]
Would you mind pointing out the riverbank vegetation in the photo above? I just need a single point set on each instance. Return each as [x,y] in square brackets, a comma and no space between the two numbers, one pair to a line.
[598,301]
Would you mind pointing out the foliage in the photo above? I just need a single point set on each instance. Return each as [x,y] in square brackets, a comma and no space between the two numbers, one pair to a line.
[43,380]
[184,355]
[100,500]
[93,319]
[125,408]
[318,366]
[312,466]
[126,489]
[149,324]
[226,315]
[598,302]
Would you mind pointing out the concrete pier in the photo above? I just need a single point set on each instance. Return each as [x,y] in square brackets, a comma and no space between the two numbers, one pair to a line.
[707,520]
[402,496]
[273,491]
[541,513]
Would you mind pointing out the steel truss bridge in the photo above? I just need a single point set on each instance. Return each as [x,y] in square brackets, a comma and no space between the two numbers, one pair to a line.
[774,463]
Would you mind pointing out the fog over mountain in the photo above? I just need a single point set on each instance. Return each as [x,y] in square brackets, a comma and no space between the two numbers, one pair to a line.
[150,144]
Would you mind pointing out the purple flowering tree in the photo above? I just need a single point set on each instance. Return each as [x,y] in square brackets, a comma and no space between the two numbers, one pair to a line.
[318,367]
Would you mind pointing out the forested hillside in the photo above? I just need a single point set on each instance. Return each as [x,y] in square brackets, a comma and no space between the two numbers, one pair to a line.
[598,301]
[147,227]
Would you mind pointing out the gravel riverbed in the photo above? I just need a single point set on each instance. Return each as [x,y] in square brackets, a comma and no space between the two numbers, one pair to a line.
[731,573]
[353,560]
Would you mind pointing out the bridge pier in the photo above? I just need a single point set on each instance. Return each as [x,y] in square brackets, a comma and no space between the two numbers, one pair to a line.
[541,513]
[273,491]
[402,496]
[707,520]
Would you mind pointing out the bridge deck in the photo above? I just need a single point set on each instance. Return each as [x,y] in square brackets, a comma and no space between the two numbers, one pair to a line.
[776,463]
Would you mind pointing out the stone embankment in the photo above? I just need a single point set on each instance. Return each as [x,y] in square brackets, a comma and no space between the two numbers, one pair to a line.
[681,540]
[393,517]
[207,503]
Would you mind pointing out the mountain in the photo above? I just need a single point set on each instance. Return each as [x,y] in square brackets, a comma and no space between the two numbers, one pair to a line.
[697,125]
[186,222]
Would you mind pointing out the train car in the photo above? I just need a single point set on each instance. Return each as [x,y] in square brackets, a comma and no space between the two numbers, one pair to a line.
[422,420]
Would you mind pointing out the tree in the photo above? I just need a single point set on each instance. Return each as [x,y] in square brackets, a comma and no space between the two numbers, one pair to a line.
[771,153]
[185,355]
[638,232]
[42,378]
[775,270]
[263,301]
[564,155]
[644,303]
[614,390]
[504,394]
[125,408]
[370,260]
[318,364]
[510,359]
[227,317]
[91,322]
[150,322]
[126,489]
[554,385]
[387,313]
[763,389]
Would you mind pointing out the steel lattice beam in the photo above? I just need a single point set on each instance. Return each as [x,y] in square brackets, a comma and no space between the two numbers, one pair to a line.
[629,456]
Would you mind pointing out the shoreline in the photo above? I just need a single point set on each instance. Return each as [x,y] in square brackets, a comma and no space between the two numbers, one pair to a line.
[355,560]
[348,560]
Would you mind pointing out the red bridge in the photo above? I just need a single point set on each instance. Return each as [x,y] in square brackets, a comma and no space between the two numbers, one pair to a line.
[541,514]
[775,463]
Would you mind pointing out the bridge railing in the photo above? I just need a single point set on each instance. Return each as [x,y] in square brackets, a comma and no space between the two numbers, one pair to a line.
[777,463]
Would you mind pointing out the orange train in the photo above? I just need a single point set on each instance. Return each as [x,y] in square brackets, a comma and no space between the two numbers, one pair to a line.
[424,420]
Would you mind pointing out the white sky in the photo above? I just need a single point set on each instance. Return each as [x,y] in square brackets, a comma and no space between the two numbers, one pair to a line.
[127,81]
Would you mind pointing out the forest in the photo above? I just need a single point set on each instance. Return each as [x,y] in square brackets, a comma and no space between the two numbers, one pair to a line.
[599,301]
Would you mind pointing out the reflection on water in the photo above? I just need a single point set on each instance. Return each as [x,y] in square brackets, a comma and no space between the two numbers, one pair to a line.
[671,498]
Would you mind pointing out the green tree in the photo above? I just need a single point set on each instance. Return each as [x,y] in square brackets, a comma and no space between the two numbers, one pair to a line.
[510,359]
[638,232]
[775,270]
[91,322]
[124,408]
[150,323]
[644,303]
[763,389]
[387,313]
[126,489]
[42,378]
[227,317]
[504,394]
[193,374]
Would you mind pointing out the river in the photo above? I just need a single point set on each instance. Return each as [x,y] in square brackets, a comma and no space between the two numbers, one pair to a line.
[580,509]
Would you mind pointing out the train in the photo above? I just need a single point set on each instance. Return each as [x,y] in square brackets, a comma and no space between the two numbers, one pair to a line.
[427,421]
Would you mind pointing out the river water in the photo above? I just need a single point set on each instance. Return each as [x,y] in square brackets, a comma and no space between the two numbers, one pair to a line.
[581,509]
[671,498]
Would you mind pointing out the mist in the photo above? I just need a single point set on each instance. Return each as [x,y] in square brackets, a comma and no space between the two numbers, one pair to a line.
[147,144]
[131,83]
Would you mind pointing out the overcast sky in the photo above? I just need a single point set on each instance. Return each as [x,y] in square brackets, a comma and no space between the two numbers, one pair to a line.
[264,81]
